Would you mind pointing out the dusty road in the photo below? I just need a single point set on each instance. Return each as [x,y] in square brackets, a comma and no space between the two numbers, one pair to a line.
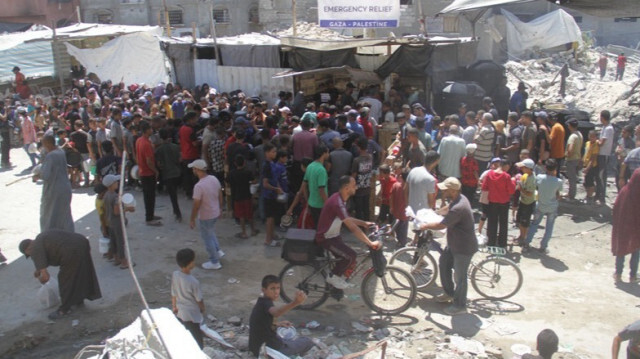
[569,290]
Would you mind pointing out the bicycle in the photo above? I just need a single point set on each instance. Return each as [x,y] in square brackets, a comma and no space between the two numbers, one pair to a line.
[389,294]
[495,277]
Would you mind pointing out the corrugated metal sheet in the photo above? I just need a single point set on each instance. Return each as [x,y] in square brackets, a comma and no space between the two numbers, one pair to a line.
[254,81]
[34,59]
[206,71]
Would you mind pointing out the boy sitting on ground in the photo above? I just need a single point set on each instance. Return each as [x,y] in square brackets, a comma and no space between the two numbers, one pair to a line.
[262,324]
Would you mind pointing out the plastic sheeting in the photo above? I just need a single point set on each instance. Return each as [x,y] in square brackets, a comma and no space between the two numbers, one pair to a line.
[553,29]
[303,59]
[250,55]
[407,61]
[469,5]
[132,58]
[34,59]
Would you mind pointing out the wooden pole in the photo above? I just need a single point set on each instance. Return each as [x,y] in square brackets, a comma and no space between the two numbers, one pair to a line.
[294,15]
[166,18]
[193,32]
[212,24]
[78,13]
[56,57]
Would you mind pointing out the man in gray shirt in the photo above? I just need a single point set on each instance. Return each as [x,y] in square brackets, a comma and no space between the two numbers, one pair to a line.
[470,131]
[461,245]
[340,160]
[116,134]
[420,190]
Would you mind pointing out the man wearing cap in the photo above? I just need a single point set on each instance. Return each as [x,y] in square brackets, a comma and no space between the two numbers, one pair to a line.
[451,150]
[71,252]
[207,207]
[461,245]
[574,148]
[146,160]
[549,187]
[420,112]
[353,124]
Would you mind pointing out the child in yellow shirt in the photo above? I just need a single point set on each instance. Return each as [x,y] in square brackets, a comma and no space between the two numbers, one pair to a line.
[590,161]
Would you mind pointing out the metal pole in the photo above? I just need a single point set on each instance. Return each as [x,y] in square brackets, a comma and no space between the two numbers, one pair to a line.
[78,13]
[56,58]
[423,21]
[127,249]
[294,14]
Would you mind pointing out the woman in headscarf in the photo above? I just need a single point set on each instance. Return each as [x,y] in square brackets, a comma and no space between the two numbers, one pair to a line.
[625,234]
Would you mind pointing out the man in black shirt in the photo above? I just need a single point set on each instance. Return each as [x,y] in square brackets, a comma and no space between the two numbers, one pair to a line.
[262,324]
[82,141]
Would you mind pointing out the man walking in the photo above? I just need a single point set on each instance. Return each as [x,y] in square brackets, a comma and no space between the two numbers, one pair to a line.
[55,205]
[316,181]
[574,147]
[207,204]
[549,187]
[461,245]
[146,159]
[622,64]
[606,146]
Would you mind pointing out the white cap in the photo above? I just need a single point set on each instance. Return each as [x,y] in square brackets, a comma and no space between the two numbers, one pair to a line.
[108,180]
[471,148]
[198,164]
[527,163]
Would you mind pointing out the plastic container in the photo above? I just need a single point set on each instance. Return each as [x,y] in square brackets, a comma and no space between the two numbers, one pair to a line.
[103,245]
[134,172]
[254,188]
[128,200]
[282,197]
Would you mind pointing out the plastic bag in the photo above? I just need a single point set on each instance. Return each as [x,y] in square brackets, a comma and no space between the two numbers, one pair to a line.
[379,261]
[49,294]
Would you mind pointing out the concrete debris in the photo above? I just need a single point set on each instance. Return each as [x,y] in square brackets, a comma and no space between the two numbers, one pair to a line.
[361,328]
[312,325]
[584,89]
[312,31]
[235,321]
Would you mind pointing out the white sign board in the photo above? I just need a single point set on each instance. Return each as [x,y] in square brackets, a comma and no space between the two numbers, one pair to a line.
[358,13]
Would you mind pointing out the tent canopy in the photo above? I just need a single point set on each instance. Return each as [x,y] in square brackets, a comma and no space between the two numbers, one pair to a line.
[357,75]
[470,5]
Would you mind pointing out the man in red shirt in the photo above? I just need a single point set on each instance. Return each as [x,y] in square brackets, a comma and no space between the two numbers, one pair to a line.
[622,63]
[398,203]
[387,180]
[188,151]
[148,172]
[364,120]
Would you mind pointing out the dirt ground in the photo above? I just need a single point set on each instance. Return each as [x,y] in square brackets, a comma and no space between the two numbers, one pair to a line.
[569,290]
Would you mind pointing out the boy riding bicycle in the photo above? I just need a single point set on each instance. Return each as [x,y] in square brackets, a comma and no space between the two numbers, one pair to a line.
[333,214]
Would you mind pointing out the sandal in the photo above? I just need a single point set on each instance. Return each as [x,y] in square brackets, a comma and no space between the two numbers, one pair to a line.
[126,266]
[58,314]
[241,236]
[273,243]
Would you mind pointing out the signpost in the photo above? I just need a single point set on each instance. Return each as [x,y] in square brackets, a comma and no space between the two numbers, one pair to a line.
[358,13]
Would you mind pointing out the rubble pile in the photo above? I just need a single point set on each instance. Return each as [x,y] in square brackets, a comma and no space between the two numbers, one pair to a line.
[584,90]
[309,30]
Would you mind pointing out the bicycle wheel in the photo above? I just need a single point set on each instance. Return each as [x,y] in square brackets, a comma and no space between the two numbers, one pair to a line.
[390,294]
[496,278]
[306,278]
[419,263]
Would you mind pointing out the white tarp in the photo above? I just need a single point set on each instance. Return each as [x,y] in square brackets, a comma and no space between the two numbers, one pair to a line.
[131,58]
[470,5]
[358,13]
[553,29]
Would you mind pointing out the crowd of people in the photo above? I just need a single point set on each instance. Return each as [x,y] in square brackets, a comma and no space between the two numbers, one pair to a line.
[323,160]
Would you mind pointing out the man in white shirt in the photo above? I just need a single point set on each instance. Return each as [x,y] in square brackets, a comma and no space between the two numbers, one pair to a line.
[606,147]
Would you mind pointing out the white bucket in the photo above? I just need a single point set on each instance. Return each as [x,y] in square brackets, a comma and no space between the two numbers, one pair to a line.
[128,200]
[103,245]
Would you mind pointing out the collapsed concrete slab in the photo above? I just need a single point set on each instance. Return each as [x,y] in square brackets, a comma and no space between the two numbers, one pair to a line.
[140,341]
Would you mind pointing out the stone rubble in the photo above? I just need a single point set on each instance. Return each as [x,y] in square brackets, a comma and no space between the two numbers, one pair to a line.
[585,91]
